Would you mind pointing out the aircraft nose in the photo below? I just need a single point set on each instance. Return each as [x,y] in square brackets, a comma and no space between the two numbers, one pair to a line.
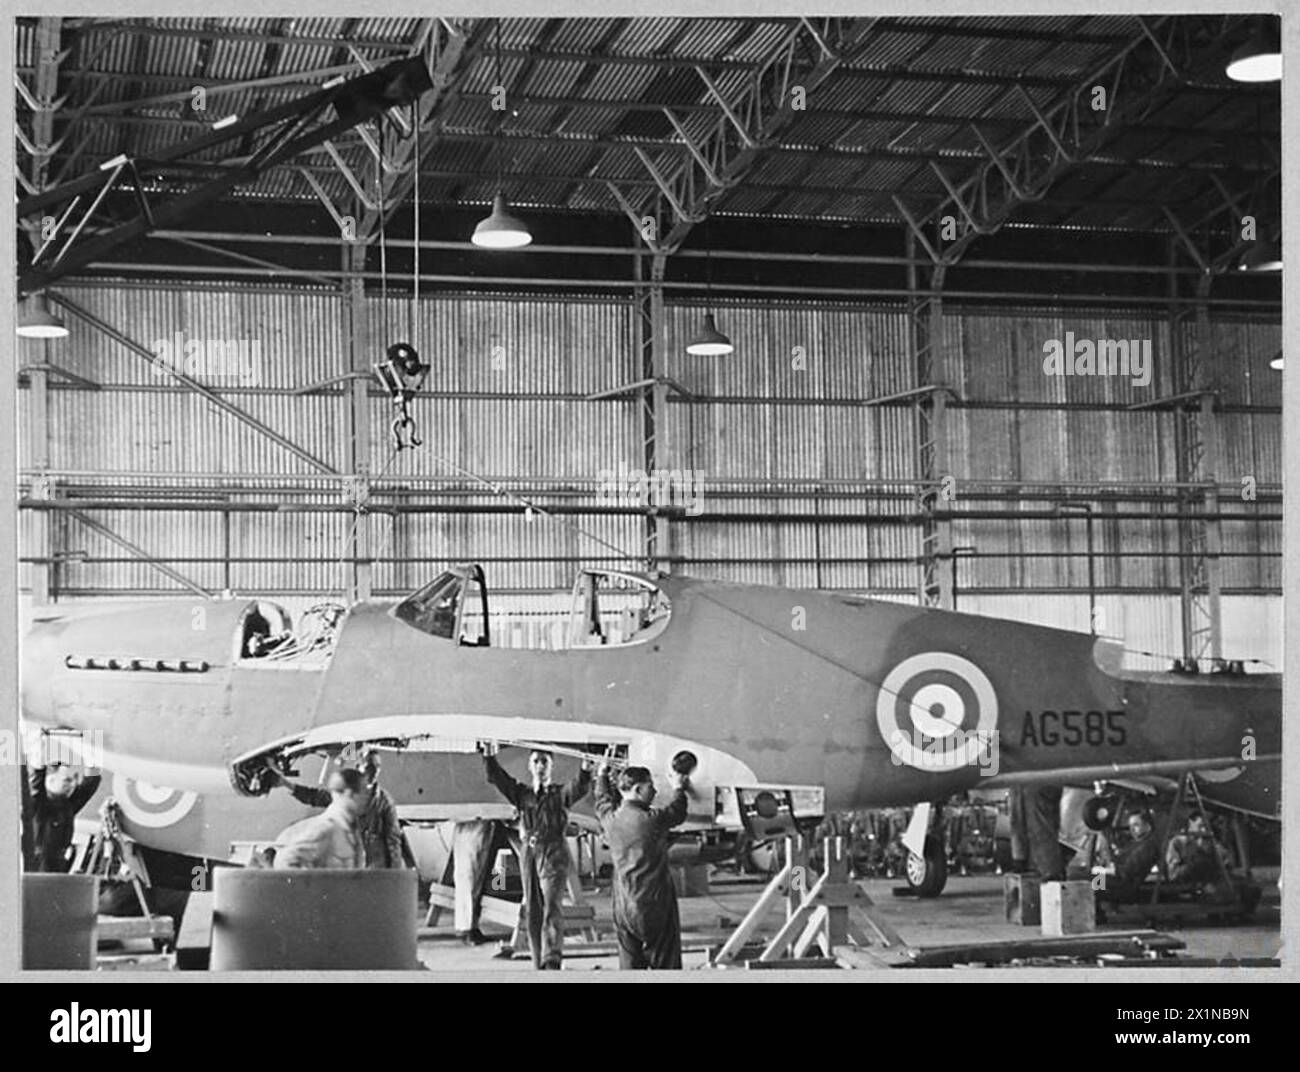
[38,671]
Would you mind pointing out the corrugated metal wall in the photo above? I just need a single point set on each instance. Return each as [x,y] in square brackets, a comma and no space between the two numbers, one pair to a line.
[1149,625]
[783,414]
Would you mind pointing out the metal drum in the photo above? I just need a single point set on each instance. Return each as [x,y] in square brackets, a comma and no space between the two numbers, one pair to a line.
[59,917]
[323,920]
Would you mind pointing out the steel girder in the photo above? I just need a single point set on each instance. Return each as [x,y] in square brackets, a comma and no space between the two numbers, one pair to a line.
[282,132]
[1136,79]
[748,120]
[449,47]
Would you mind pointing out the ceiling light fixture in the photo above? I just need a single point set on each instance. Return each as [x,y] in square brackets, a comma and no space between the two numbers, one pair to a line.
[1260,58]
[35,321]
[709,341]
[1265,255]
[502,229]
[1276,363]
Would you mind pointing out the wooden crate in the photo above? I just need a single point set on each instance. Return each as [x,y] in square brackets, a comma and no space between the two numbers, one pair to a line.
[1068,908]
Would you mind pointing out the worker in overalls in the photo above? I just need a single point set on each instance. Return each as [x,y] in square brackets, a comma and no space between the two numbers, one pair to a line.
[645,903]
[544,851]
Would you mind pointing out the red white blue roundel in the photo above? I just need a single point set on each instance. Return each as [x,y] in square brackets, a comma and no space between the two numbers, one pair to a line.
[151,806]
[937,711]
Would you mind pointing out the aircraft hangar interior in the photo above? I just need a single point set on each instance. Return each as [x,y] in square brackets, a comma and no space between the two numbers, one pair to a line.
[617,492]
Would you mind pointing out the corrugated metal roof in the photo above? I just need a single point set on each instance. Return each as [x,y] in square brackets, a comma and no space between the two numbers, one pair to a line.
[974,62]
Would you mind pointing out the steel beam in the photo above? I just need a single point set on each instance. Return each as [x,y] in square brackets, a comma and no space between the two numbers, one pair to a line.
[201,505]
[285,131]
[450,47]
[44,578]
[44,102]
[158,268]
[360,582]
[750,121]
[1200,538]
[925,336]
[715,254]
[1068,131]
[83,481]
[653,391]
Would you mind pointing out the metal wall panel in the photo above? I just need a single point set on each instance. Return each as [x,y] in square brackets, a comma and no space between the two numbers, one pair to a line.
[785,409]
[819,364]
[292,338]
[1000,355]
[1239,355]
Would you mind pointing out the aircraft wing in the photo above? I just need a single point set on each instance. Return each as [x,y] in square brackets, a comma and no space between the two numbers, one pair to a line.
[436,733]
[722,789]
[1103,772]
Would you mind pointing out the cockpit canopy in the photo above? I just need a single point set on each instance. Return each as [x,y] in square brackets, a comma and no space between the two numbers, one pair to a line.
[452,605]
[607,608]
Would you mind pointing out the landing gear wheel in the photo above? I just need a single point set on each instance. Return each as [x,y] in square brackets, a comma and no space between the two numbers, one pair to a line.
[928,874]
[1099,813]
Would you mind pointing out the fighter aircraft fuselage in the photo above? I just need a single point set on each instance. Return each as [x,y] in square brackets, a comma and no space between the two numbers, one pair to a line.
[878,703]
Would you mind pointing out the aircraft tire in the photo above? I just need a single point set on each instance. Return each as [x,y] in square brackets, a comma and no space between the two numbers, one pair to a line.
[928,874]
[1099,812]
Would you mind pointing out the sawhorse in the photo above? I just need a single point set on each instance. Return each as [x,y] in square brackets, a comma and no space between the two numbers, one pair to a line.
[828,909]
[110,854]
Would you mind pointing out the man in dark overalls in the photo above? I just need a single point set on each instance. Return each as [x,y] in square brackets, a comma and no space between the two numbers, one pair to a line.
[1133,863]
[54,796]
[645,903]
[544,861]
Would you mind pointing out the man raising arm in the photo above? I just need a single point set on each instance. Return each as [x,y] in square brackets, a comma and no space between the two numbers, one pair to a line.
[645,904]
[544,865]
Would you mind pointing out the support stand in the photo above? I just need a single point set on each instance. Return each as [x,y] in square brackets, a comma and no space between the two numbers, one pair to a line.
[832,912]
[112,856]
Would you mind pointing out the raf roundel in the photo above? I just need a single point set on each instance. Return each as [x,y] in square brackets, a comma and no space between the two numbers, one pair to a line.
[151,806]
[937,711]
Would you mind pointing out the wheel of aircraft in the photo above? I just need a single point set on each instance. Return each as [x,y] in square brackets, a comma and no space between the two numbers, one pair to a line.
[1099,812]
[928,874]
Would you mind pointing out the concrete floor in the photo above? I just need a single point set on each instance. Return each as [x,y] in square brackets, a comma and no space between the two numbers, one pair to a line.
[969,910]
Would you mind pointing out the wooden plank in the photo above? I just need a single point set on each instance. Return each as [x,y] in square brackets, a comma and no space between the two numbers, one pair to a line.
[849,956]
[795,923]
[1192,962]
[753,920]
[813,931]
[493,909]
[1016,949]
[133,928]
[793,964]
